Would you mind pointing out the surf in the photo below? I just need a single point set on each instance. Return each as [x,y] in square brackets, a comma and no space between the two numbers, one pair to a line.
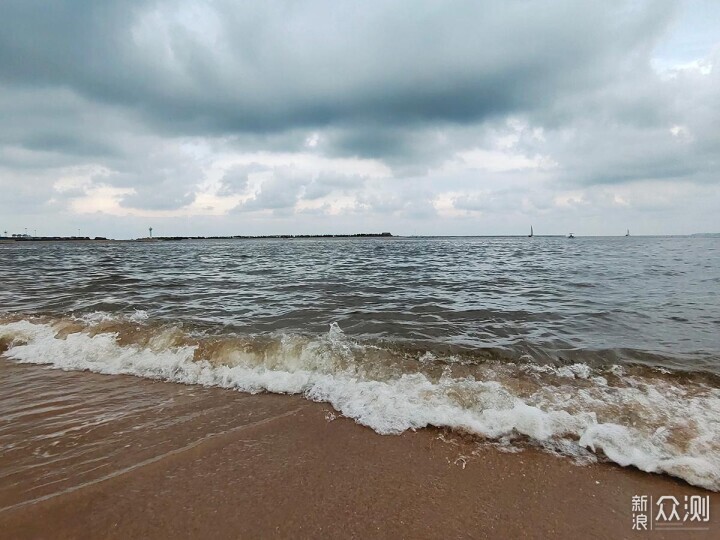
[651,419]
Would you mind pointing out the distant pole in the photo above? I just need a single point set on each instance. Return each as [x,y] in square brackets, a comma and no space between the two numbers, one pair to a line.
[35,233]
[150,229]
[25,231]
[78,233]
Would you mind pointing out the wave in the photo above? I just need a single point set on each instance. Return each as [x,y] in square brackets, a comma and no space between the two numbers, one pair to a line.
[652,419]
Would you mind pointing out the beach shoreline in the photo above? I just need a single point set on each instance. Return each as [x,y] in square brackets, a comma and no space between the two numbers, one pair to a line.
[281,466]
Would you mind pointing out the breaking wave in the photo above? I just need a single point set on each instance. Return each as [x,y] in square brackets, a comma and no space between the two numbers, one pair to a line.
[655,420]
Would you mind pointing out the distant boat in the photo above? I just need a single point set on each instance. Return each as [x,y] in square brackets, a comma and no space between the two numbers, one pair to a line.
[531,232]
[627,233]
[571,235]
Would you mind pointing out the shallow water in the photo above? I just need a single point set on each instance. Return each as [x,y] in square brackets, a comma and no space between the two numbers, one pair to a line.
[588,347]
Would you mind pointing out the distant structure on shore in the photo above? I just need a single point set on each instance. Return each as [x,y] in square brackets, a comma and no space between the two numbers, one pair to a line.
[29,238]
[271,236]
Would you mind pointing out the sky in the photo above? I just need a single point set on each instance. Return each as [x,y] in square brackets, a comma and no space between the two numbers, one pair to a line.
[415,117]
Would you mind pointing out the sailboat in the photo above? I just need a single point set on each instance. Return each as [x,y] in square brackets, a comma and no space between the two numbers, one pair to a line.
[531,232]
[627,233]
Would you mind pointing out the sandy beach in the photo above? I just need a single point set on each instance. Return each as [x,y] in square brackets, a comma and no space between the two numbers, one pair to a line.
[210,463]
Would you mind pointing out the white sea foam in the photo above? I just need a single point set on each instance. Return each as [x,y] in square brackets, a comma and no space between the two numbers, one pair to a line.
[94,317]
[656,425]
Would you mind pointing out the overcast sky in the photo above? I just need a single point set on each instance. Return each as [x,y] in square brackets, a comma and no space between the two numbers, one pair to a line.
[416,117]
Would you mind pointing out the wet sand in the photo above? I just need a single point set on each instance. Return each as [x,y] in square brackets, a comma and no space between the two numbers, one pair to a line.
[209,463]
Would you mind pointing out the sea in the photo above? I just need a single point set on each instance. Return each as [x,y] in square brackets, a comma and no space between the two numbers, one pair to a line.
[593,348]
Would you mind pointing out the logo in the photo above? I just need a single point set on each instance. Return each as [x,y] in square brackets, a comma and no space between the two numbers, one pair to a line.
[668,513]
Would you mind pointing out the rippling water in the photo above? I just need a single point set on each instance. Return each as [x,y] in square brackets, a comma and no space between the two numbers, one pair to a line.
[546,295]
[589,347]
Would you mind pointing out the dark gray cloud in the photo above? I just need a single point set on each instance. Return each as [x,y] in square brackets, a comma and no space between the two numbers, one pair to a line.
[45,127]
[223,67]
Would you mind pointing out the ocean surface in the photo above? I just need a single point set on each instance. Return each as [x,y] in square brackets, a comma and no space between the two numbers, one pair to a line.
[592,348]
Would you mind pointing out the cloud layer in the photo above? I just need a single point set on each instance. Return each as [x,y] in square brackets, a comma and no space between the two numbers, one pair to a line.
[456,117]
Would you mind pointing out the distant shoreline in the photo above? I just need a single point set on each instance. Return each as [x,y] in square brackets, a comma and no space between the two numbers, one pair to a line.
[102,239]
[263,237]
[9,240]
[180,238]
